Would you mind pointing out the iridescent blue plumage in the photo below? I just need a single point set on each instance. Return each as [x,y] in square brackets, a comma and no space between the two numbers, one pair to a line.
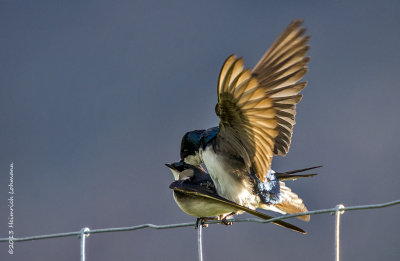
[191,143]
[269,191]
[193,140]
[208,135]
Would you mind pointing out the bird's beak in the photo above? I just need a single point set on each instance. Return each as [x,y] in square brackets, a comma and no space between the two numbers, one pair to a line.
[169,166]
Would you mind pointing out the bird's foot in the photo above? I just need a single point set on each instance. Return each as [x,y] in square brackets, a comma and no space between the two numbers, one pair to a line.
[225,221]
[200,221]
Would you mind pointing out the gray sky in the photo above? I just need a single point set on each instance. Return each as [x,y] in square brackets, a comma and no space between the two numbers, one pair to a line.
[96,95]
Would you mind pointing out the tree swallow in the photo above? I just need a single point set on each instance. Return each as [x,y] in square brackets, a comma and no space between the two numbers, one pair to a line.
[195,194]
[257,111]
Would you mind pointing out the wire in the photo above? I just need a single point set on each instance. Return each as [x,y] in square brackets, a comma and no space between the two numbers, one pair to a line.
[170,226]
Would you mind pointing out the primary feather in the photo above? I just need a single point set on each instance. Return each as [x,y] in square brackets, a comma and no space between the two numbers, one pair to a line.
[257,108]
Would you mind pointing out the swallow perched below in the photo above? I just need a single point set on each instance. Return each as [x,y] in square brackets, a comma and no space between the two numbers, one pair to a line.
[195,194]
[257,111]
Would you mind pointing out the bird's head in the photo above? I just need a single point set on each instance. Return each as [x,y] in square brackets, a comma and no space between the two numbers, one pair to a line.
[181,170]
[190,146]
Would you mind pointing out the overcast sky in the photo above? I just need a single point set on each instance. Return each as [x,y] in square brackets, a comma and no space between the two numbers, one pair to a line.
[96,95]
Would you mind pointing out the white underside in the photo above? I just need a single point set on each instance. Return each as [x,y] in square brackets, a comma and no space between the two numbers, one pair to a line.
[201,207]
[226,184]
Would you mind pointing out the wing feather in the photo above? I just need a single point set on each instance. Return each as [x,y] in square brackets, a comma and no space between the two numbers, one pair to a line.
[224,70]
[257,108]
[247,117]
[278,72]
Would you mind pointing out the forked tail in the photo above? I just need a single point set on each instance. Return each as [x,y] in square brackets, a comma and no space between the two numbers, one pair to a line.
[290,203]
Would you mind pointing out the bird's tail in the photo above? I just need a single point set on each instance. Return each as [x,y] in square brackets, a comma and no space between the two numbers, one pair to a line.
[290,203]
[291,175]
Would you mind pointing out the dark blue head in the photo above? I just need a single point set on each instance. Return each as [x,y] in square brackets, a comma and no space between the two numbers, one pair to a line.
[190,146]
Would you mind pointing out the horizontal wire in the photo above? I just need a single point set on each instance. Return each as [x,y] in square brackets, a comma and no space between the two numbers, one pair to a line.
[169,226]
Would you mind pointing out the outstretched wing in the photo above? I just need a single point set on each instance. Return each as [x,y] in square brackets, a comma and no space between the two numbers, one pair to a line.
[278,72]
[257,108]
[247,117]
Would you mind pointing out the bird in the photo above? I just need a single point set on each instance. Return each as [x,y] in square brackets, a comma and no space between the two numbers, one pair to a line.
[256,108]
[195,194]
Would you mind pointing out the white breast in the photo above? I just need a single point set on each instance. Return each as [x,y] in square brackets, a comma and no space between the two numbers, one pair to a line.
[228,186]
[203,207]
